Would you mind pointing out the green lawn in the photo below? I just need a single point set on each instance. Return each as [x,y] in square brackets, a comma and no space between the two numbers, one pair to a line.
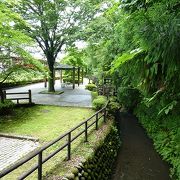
[47,123]
[43,122]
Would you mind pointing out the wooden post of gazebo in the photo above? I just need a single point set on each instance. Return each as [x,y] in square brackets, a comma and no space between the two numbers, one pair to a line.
[73,77]
[78,75]
[82,75]
[61,76]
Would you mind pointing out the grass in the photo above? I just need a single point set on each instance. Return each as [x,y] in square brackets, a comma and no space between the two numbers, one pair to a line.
[43,122]
[47,123]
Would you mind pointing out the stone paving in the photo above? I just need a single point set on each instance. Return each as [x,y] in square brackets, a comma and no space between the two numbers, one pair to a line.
[71,97]
[12,150]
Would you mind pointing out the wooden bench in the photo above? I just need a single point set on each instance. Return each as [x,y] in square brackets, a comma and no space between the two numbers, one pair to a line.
[29,97]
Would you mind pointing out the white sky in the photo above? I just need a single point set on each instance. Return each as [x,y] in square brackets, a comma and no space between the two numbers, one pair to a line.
[37,52]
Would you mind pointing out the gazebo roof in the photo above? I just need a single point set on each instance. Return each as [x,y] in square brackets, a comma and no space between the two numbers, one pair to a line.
[64,67]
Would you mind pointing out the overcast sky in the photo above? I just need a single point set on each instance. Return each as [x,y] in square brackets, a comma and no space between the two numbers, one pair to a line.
[37,52]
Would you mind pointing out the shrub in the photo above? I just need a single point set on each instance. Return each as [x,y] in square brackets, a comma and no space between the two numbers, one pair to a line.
[91,87]
[6,107]
[113,105]
[69,79]
[129,97]
[99,102]
[94,95]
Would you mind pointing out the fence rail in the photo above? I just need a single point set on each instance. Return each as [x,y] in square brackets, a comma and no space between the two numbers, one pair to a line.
[29,97]
[102,112]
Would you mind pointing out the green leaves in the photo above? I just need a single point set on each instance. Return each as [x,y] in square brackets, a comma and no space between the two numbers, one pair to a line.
[13,42]
[124,58]
[168,108]
[165,133]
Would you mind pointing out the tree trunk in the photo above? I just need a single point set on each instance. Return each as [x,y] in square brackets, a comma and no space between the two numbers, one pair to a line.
[51,61]
[51,81]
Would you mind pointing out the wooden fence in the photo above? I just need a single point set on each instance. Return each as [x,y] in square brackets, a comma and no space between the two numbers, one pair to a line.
[102,113]
[29,96]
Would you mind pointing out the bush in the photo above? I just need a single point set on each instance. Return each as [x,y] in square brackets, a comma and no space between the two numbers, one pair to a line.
[69,79]
[99,102]
[91,87]
[129,97]
[6,107]
[113,105]
[94,95]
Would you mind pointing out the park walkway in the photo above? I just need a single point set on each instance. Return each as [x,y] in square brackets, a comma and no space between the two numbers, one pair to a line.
[78,97]
[12,149]
[137,159]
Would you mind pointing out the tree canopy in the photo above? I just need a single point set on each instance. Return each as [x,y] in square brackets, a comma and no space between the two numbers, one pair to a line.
[56,24]
[12,44]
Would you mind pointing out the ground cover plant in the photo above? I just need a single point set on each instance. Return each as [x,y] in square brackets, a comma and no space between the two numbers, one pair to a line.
[47,123]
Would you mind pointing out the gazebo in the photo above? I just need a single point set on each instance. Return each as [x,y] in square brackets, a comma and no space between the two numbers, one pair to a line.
[66,67]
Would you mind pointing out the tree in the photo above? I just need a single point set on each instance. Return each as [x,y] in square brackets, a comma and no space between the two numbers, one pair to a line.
[75,57]
[56,23]
[12,43]
[103,44]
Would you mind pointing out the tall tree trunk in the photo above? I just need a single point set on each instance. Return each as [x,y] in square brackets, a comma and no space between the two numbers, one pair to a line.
[51,81]
[51,61]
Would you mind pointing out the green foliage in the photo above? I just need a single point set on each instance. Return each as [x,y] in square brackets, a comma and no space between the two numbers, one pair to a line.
[119,61]
[54,24]
[69,80]
[6,107]
[75,57]
[91,87]
[12,39]
[13,42]
[168,108]
[129,97]
[99,102]
[138,43]
[113,105]
[94,95]
[165,133]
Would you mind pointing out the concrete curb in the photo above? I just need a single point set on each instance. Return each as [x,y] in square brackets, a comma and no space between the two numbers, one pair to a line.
[19,137]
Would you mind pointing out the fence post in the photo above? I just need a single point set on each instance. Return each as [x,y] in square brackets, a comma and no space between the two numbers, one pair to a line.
[86,132]
[45,83]
[40,166]
[69,146]
[97,121]
[3,96]
[30,97]
[104,114]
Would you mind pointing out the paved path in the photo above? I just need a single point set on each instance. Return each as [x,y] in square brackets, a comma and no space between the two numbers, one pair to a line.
[12,150]
[137,159]
[71,97]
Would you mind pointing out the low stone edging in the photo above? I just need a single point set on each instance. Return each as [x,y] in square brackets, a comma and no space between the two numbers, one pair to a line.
[100,165]
[28,138]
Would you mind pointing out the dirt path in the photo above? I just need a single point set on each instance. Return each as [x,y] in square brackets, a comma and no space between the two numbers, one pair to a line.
[137,159]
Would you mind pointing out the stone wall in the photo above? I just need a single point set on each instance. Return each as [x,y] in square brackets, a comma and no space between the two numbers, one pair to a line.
[100,165]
